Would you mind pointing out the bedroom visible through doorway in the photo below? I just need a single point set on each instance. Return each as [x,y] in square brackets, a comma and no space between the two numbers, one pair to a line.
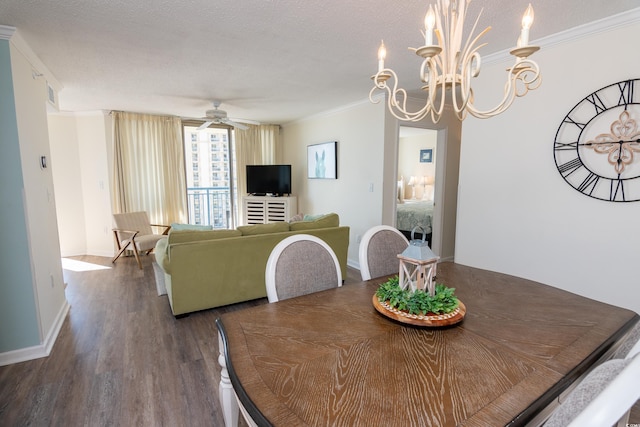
[417,154]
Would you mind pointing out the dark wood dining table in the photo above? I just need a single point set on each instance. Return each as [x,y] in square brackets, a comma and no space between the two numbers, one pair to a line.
[330,358]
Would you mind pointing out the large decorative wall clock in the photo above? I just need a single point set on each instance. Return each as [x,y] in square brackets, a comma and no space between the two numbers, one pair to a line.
[597,146]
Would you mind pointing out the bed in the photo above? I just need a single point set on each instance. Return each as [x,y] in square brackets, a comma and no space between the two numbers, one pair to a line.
[414,213]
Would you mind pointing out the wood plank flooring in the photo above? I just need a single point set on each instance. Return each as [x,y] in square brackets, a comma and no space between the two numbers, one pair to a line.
[122,359]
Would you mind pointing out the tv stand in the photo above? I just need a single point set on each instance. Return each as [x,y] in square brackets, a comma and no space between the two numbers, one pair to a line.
[265,209]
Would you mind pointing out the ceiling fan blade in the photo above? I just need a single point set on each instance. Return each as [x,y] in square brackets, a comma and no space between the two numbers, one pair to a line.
[205,125]
[235,124]
[247,121]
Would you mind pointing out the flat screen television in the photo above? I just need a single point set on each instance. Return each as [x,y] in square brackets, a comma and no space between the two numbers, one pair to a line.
[269,180]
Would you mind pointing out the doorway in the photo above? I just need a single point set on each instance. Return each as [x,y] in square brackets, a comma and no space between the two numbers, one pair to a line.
[417,153]
[431,156]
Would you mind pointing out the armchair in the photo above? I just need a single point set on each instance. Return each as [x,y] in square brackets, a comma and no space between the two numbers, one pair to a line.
[133,231]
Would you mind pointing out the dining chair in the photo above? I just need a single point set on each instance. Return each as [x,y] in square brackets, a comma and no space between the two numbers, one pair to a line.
[378,251]
[603,398]
[627,347]
[301,264]
[133,231]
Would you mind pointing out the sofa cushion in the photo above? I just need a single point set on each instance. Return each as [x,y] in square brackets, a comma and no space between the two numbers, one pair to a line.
[177,236]
[192,227]
[324,221]
[273,227]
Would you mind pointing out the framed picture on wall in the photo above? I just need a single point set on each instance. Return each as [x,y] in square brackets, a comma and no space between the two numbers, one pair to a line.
[322,160]
[426,155]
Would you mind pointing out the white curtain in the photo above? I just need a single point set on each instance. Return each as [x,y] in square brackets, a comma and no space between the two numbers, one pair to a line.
[257,145]
[149,170]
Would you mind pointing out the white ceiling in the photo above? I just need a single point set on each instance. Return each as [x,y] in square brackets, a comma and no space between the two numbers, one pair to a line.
[269,60]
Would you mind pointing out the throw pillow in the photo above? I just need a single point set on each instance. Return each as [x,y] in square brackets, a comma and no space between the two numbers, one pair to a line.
[312,217]
[324,221]
[297,217]
[191,227]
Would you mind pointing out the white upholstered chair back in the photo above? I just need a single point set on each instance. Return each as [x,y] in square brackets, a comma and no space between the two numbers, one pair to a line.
[301,264]
[604,397]
[378,251]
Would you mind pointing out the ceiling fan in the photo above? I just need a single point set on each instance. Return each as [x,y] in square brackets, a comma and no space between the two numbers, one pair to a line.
[217,116]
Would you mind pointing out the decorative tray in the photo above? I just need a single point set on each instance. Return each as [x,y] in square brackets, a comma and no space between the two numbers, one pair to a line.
[433,320]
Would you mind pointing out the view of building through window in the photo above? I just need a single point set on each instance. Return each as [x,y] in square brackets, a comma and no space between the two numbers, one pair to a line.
[210,167]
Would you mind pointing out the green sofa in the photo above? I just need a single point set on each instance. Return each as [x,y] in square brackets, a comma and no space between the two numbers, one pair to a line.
[207,269]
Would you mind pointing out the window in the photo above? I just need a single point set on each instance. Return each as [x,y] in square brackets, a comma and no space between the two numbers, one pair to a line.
[211,200]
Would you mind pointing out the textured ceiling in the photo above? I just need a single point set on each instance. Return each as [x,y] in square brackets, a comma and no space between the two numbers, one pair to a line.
[268,60]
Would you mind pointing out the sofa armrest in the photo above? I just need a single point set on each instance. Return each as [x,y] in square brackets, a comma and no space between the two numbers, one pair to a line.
[161,252]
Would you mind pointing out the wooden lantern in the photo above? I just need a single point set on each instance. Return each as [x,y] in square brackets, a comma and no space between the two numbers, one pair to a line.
[418,266]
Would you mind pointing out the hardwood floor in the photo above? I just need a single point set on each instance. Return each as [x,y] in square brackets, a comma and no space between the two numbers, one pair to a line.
[122,359]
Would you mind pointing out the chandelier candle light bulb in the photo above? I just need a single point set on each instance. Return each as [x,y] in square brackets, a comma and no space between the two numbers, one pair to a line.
[527,21]
[382,53]
[429,24]
[450,64]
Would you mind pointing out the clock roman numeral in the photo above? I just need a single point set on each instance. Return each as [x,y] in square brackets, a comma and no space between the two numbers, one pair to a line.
[626,93]
[570,167]
[565,146]
[589,183]
[595,100]
[569,120]
[617,190]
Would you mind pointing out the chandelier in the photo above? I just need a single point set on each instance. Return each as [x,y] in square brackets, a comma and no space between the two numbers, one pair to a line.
[448,67]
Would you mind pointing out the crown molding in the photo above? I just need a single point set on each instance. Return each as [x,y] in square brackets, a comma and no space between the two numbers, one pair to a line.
[21,45]
[6,32]
[602,25]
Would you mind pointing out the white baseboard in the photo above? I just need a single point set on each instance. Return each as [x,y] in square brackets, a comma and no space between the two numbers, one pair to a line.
[38,351]
[353,264]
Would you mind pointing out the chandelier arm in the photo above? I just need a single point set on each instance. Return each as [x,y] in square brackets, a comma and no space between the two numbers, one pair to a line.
[469,44]
[531,69]
[472,49]
[431,99]
[438,113]
[373,101]
[469,65]
[430,70]
[396,97]
[527,72]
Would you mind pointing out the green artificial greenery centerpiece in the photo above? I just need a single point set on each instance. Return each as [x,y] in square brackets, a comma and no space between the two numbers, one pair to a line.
[417,302]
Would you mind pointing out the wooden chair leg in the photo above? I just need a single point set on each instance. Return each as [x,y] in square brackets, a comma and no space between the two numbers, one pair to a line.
[120,252]
[135,252]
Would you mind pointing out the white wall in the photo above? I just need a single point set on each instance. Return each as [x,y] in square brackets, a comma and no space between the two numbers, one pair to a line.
[82,159]
[359,130]
[96,153]
[515,212]
[65,164]
[30,91]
